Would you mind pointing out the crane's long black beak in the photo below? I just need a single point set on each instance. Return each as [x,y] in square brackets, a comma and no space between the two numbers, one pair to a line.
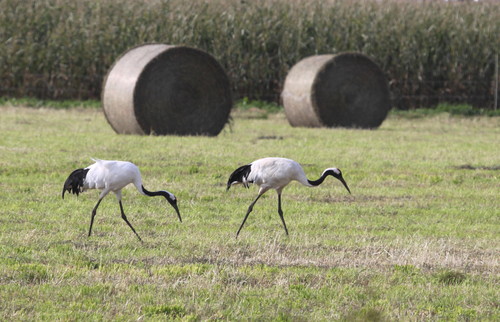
[177,211]
[345,184]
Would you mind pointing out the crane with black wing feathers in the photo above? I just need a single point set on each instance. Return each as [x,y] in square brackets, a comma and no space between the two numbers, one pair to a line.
[276,173]
[112,176]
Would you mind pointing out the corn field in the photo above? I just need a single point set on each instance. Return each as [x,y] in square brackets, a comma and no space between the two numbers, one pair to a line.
[431,52]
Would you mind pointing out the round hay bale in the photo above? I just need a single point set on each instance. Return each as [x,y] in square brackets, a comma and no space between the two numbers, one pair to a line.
[163,89]
[345,90]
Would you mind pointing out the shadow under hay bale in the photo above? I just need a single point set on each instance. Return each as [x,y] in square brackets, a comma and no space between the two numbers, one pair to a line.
[163,89]
[345,90]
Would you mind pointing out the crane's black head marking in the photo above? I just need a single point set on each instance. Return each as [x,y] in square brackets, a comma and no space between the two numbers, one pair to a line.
[240,175]
[74,183]
[337,174]
[333,172]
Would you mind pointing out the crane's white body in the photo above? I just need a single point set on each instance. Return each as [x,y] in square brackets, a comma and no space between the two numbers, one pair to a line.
[113,176]
[276,173]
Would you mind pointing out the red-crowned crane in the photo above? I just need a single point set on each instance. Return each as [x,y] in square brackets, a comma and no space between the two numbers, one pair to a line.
[112,176]
[276,173]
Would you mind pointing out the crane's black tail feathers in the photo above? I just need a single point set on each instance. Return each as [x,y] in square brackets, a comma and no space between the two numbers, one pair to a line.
[74,183]
[240,175]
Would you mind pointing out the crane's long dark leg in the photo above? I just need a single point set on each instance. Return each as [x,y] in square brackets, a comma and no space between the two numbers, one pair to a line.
[94,211]
[250,208]
[125,218]
[280,212]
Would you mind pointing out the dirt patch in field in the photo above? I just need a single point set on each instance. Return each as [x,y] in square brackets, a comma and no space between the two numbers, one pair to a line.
[471,167]
[428,255]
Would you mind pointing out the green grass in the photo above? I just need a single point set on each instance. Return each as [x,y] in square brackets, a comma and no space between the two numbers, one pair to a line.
[417,239]
[452,109]
[39,103]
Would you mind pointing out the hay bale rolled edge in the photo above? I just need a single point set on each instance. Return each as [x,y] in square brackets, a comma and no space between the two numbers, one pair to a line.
[296,95]
[119,86]
[174,90]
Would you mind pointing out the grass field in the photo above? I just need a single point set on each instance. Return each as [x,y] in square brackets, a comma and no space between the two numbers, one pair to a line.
[417,239]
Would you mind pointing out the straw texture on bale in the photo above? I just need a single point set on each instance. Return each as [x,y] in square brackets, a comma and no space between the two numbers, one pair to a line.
[163,89]
[345,90]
